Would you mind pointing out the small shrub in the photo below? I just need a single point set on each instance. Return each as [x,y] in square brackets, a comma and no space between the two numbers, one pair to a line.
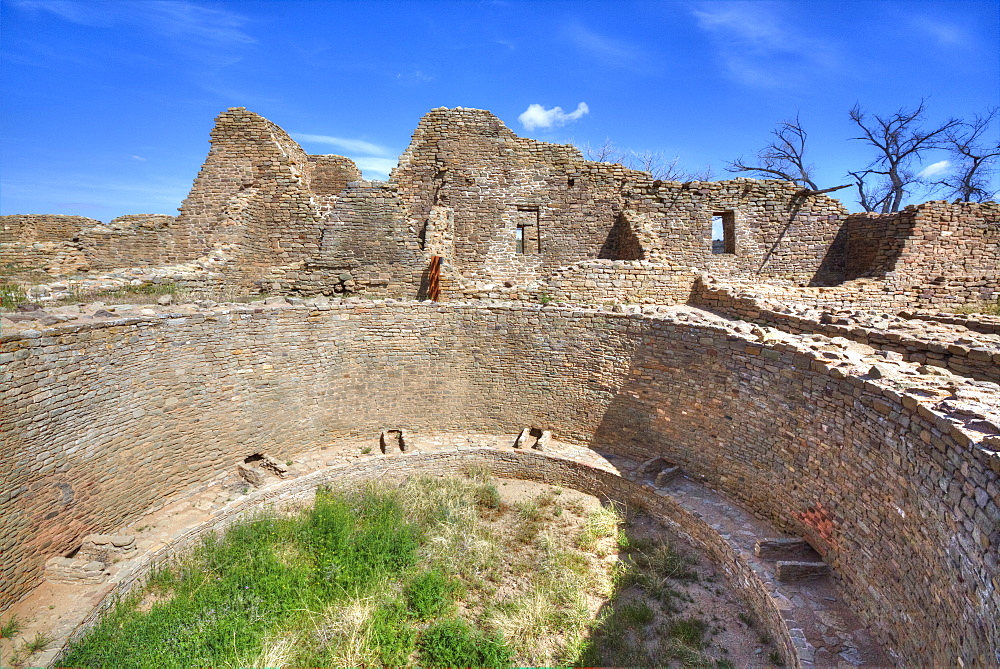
[663,561]
[544,298]
[428,595]
[487,496]
[774,657]
[451,643]
[390,633]
[528,511]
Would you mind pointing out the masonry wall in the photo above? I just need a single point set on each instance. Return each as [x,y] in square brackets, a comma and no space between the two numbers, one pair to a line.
[898,499]
[41,243]
[254,194]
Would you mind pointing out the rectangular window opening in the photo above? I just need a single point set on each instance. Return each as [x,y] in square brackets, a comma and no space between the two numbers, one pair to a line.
[724,232]
[527,235]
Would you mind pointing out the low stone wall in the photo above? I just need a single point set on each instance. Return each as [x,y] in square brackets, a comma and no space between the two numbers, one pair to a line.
[137,240]
[29,228]
[960,349]
[589,282]
[895,483]
[18,258]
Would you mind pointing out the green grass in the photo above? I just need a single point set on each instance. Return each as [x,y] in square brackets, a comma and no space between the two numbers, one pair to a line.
[364,577]
[435,572]
[11,295]
[636,613]
[219,605]
[988,308]
[429,594]
[688,631]
[452,643]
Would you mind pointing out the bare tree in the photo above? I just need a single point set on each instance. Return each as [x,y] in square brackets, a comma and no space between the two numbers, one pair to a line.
[605,153]
[874,192]
[899,140]
[975,160]
[783,157]
[653,162]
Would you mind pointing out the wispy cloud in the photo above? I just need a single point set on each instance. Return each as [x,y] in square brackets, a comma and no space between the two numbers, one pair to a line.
[89,195]
[139,158]
[413,77]
[185,24]
[537,116]
[373,159]
[378,166]
[758,48]
[944,34]
[935,169]
[352,145]
[608,50]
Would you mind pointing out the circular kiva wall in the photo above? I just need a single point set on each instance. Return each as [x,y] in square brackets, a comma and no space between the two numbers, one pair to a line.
[101,423]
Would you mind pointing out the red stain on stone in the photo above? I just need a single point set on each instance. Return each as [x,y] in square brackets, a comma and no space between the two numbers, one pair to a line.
[818,518]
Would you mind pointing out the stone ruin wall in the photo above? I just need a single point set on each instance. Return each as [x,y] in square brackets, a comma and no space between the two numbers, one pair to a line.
[468,182]
[908,495]
[35,243]
[253,194]
[295,223]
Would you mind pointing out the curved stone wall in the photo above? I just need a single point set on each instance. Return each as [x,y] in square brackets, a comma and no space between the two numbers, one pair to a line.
[101,423]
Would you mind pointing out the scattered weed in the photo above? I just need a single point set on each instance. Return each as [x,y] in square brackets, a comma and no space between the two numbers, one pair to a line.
[11,627]
[39,643]
[774,657]
[11,295]
[988,308]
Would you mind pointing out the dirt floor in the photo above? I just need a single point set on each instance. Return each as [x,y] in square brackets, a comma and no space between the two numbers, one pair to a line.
[731,635]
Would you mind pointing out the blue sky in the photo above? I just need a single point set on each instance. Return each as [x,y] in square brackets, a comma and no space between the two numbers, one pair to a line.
[107,106]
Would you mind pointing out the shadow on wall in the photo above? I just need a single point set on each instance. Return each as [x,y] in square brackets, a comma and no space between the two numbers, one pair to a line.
[622,242]
[832,268]
[786,441]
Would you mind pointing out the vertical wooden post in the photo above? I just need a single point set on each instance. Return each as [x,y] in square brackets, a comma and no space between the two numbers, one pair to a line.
[434,282]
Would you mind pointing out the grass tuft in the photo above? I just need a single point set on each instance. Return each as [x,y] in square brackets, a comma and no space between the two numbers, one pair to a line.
[11,627]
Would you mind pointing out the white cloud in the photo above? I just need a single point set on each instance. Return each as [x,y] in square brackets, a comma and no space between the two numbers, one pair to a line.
[934,169]
[351,145]
[139,158]
[537,116]
[373,160]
